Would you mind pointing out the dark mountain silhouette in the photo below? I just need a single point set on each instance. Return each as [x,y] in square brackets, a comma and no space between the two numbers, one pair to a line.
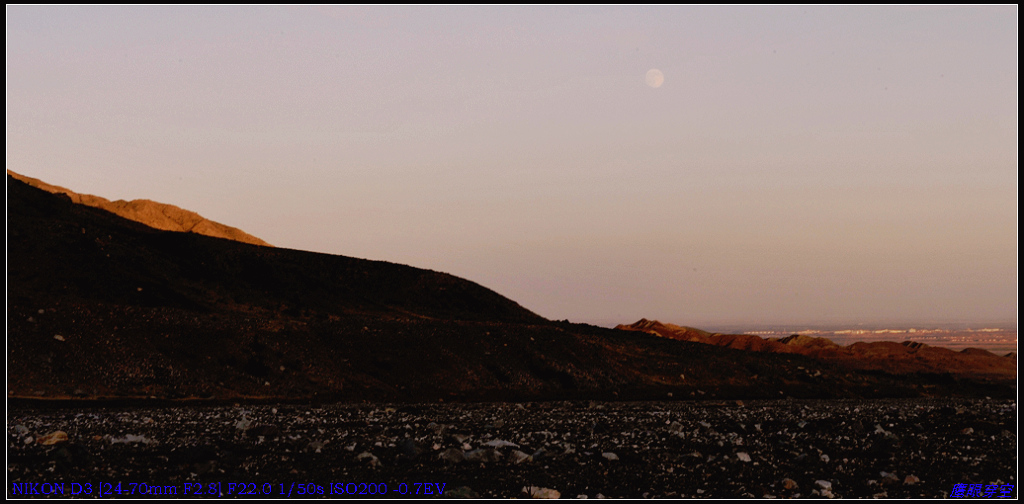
[56,247]
[104,307]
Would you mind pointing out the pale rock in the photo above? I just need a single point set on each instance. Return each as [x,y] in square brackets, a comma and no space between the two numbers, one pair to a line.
[498,443]
[483,455]
[374,461]
[542,493]
[53,438]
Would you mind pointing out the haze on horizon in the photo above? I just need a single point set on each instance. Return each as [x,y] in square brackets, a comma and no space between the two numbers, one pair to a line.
[788,165]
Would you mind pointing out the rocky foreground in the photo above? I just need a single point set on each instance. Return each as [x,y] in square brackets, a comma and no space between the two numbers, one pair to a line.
[782,448]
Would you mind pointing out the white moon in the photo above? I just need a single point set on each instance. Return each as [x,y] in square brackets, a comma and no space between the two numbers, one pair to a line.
[655,78]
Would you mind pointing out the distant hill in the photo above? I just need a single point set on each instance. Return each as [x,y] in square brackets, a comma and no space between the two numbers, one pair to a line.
[153,214]
[905,357]
[99,306]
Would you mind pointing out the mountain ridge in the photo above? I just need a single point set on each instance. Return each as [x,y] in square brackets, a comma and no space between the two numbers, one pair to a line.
[151,213]
[904,357]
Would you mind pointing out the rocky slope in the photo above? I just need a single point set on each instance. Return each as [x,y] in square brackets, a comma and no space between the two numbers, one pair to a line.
[905,357]
[151,213]
[101,307]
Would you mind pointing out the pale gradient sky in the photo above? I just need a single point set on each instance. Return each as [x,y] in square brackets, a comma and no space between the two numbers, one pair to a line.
[798,165]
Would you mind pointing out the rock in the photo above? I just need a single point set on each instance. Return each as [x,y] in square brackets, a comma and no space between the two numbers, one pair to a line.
[20,430]
[498,443]
[911,480]
[53,438]
[967,431]
[132,438]
[483,455]
[453,455]
[316,446]
[824,458]
[542,493]
[58,337]
[789,484]
[743,456]
[519,457]
[676,428]
[888,478]
[823,484]
[610,456]
[373,460]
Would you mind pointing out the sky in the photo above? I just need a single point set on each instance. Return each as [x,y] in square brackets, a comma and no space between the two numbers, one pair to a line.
[793,164]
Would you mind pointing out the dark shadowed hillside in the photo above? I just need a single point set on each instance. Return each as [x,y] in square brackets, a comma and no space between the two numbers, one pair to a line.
[100,306]
[58,249]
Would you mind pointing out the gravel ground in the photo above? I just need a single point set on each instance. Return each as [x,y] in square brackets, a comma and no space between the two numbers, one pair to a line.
[754,449]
